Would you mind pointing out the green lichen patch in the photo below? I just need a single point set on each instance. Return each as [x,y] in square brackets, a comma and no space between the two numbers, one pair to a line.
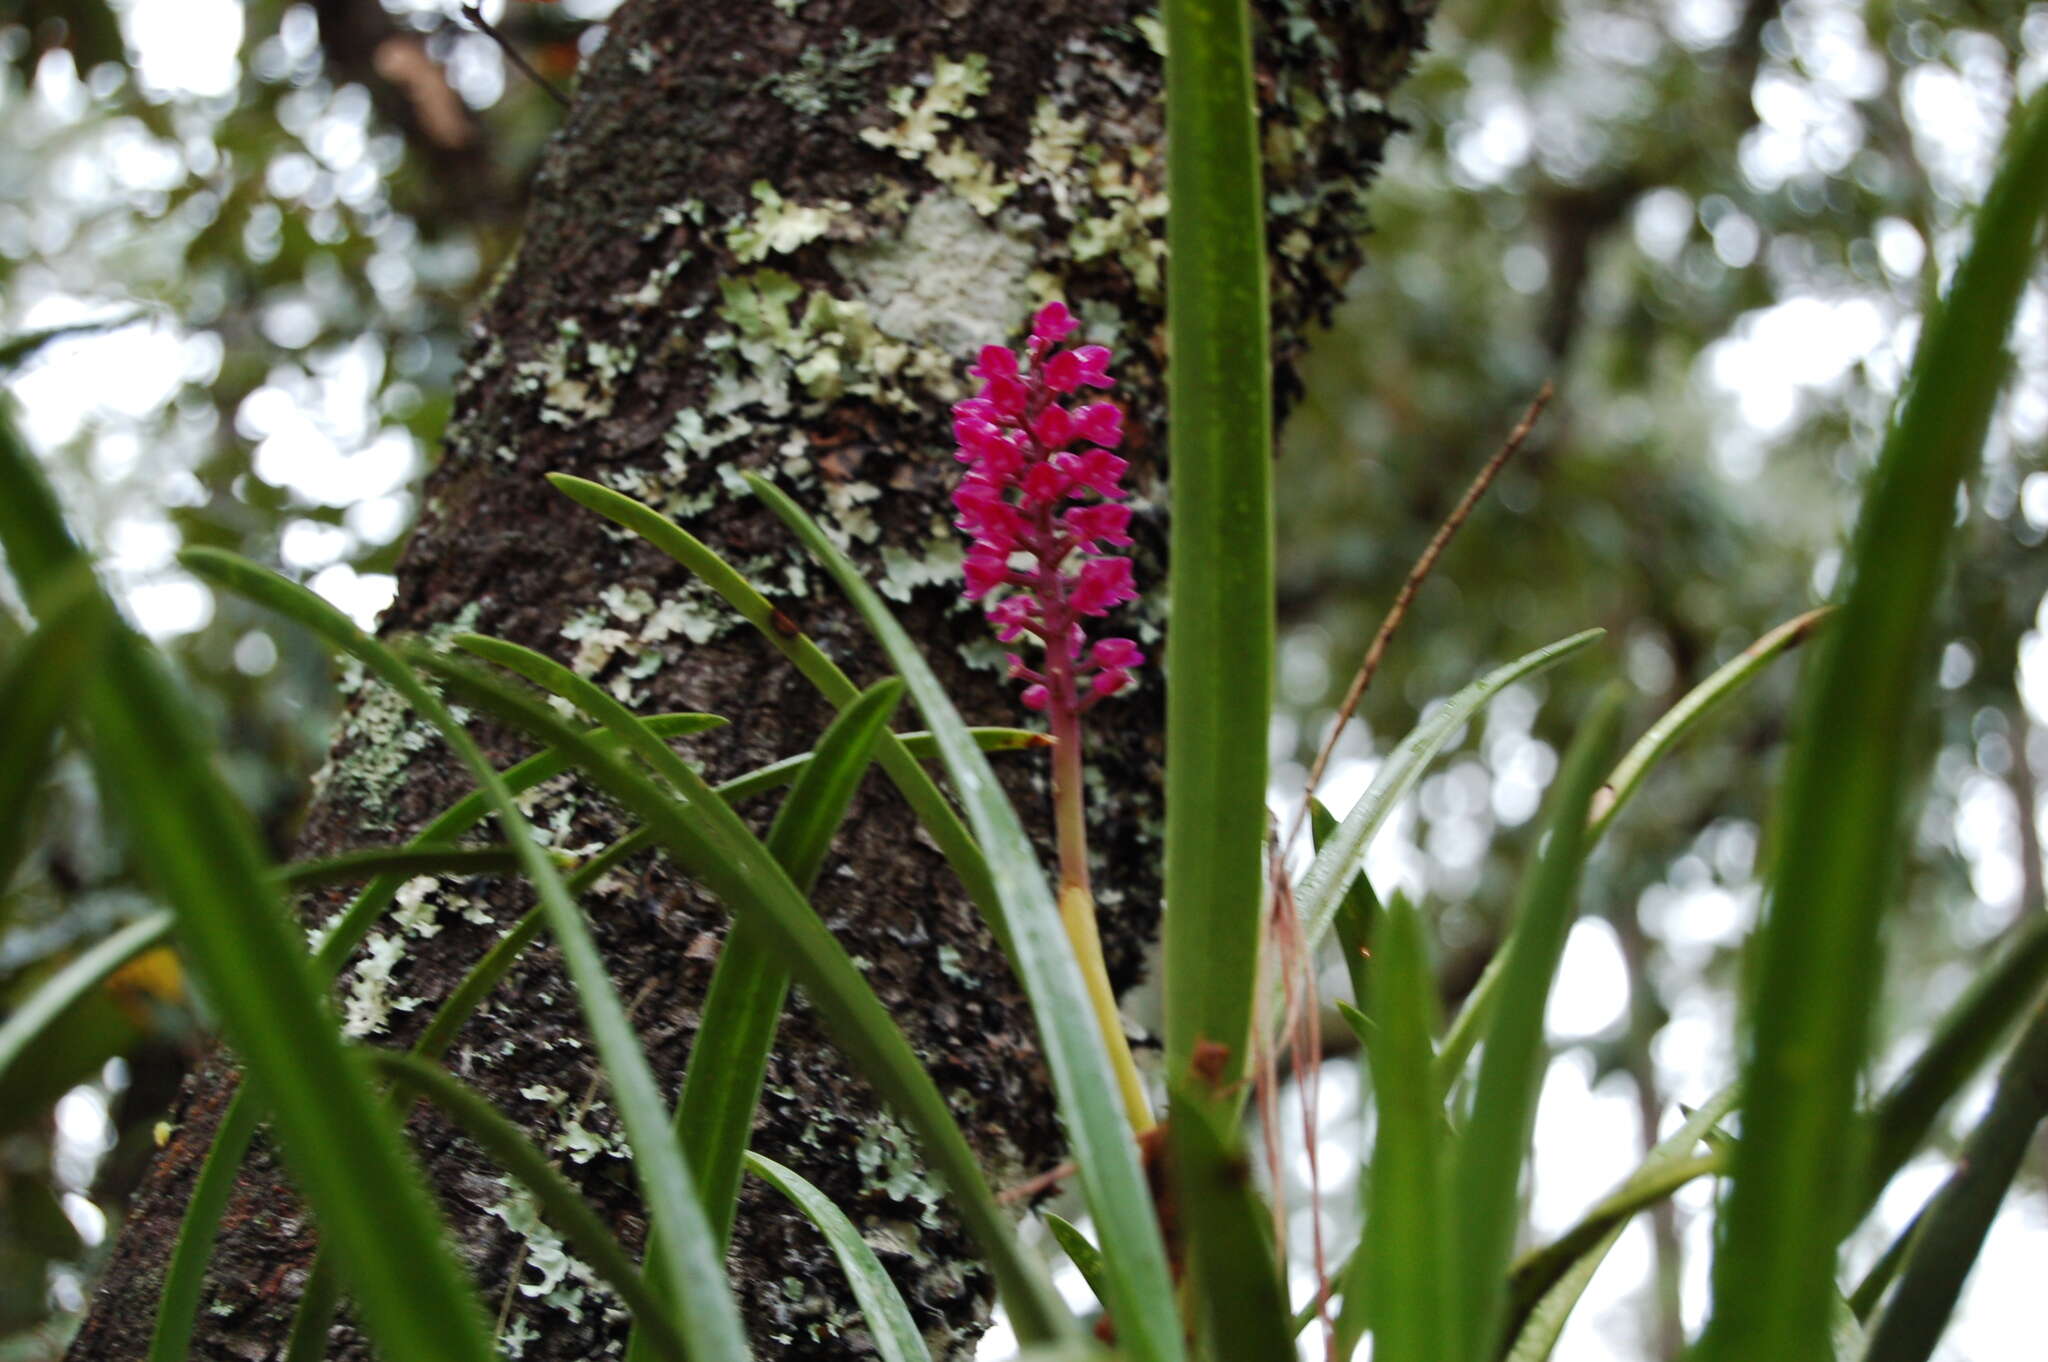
[825,79]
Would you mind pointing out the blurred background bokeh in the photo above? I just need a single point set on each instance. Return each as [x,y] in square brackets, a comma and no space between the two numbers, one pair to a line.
[238,244]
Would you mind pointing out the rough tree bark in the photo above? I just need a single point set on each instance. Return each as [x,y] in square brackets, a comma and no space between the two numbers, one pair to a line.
[769,237]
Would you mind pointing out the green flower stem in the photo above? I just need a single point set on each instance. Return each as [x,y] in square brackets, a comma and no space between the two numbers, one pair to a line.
[1077,912]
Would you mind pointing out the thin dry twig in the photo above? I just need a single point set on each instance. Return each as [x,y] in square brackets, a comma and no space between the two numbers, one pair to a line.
[1416,576]
[484,26]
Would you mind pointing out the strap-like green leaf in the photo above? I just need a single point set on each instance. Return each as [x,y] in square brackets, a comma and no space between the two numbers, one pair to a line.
[1141,1294]
[1080,1251]
[1547,1284]
[40,684]
[889,1323]
[201,852]
[1487,1167]
[729,1058]
[79,976]
[695,1279]
[709,841]
[1837,834]
[1399,1281]
[1951,1234]
[1234,1278]
[1963,1039]
[561,1205]
[1219,651]
[1692,709]
[931,808]
[1342,856]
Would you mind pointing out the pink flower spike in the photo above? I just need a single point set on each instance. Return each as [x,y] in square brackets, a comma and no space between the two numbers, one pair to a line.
[1053,324]
[1027,492]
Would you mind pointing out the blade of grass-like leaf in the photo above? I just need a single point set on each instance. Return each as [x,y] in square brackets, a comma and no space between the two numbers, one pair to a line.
[1399,1283]
[1219,651]
[1080,1251]
[1836,837]
[918,790]
[1337,864]
[1691,709]
[1952,1230]
[710,842]
[408,861]
[1963,1040]
[39,687]
[178,1301]
[1863,1300]
[1547,1283]
[321,1296]
[1621,785]
[79,977]
[1233,1276]
[1027,922]
[1487,1166]
[200,850]
[695,1278]
[561,1205]
[729,1058]
[920,746]
[1356,911]
[894,1332]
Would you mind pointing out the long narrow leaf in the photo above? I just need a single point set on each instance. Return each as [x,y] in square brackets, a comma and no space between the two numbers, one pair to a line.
[1400,1280]
[1693,708]
[931,808]
[1836,838]
[79,977]
[1141,1295]
[39,688]
[184,1275]
[1952,1230]
[1622,784]
[1547,1282]
[561,1205]
[1488,1166]
[407,861]
[1337,864]
[729,1058]
[1080,1251]
[894,1332]
[1219,652]
[201,851]
[711,843]
[695,1278]
[1234,1277]
[1963,1040]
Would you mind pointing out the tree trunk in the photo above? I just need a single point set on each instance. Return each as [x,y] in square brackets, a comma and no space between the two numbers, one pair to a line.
[770,237]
